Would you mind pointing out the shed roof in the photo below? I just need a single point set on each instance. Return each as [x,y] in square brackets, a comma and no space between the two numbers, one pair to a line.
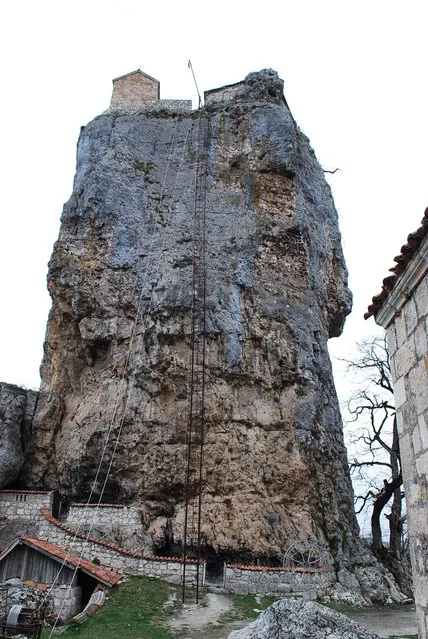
[100,573]
[408,250]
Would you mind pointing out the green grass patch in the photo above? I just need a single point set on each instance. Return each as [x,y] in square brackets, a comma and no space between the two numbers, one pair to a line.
[134,610]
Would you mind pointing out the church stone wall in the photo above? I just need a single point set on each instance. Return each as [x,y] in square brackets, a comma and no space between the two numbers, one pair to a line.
[408,347]
[132,89]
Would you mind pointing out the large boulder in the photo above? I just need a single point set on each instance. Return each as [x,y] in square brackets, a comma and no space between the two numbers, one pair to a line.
[290,619]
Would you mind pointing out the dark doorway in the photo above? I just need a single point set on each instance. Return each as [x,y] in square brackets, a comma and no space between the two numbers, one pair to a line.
[214,572]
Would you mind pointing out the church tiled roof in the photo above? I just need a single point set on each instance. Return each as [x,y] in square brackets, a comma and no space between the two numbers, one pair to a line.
[408,250]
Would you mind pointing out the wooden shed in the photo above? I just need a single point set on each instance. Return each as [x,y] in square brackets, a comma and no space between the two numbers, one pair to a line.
[40,564]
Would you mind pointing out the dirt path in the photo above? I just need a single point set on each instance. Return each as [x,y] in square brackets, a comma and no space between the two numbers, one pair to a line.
[200,621]
[203,620]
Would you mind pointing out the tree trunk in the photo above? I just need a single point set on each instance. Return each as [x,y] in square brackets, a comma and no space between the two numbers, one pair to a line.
[379,504]
[395,519]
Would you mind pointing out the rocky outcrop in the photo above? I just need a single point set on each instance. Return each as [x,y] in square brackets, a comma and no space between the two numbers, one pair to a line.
[17,408]
[116,360]
[290,619]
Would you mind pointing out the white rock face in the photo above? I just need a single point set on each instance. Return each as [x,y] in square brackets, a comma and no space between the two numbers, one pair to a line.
[289,619]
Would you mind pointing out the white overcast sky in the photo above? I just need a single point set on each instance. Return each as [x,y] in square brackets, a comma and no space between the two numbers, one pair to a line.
[355,78]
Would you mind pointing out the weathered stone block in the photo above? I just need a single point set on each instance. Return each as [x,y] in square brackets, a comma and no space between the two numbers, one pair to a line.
[423,429]
[411,315]
[242,588]
[418,382]
[420,337]
[392,339]
[400,329]
[422,468]
[283,587]
[399,392]
[416,440]
[405,357]
[309,595]
[420,298]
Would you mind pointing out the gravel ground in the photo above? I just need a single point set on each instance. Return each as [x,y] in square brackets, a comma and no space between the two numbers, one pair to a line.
[397,621]
[200,621]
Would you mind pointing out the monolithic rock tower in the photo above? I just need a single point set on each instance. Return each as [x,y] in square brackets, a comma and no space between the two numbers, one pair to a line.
[117,351]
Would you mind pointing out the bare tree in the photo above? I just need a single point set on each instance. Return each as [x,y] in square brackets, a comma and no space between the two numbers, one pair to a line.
[374,437]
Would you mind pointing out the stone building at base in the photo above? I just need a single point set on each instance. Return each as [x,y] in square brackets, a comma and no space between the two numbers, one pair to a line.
[402,309]
[67,580]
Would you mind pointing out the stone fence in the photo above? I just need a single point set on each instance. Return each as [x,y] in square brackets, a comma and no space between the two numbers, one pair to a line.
[152,105]
[306,583]
[24,504]
[33,505]
[120,559]
[104,515]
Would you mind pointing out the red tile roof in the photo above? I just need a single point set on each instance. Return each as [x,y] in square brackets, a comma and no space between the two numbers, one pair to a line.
[414,240]
[105,575]
[83,505]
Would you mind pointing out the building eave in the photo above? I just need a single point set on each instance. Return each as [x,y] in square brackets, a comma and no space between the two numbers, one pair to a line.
[416,269]
[415,242]
[9,549]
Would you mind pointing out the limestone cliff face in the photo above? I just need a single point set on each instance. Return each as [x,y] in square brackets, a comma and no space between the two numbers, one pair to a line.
[117,344]
[17,408]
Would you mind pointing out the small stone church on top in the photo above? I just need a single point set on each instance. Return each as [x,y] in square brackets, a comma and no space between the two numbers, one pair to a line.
[133,88]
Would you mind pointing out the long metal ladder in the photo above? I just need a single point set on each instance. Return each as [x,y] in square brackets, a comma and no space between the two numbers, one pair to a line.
[196,417]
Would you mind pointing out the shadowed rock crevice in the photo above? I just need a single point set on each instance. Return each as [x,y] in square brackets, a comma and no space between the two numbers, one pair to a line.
[17,409]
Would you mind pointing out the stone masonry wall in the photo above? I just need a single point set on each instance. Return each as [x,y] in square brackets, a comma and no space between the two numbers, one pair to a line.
[15,591]
[67,601]
[408,346]
[106,515]
[120,559]
[152,105]
[132,89]
[25,504]
[304,583]
[115,523]
[60,600]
